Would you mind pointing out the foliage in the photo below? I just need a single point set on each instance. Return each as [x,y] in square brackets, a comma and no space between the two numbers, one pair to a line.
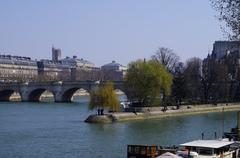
[104,98]
[166,57]
[145,80]
[229,13]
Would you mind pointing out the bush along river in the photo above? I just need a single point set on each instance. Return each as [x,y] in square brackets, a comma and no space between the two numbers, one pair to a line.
[58,130]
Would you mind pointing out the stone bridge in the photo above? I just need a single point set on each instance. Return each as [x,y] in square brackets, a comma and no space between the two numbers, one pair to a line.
[62,91]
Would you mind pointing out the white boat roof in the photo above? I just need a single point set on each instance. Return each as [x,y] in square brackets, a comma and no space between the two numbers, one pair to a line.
[168,155]
[208,143]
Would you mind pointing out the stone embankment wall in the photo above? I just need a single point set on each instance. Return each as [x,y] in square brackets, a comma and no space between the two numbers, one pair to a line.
[150,113]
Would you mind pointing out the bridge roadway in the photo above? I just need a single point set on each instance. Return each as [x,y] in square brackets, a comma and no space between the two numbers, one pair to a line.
[62,91]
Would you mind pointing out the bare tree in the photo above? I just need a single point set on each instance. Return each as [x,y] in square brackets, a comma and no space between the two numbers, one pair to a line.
[215,80]
[179,88]
[192,75]
[166,57]
[229,14]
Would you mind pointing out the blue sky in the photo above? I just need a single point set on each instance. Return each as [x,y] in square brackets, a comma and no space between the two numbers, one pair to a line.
[106,30]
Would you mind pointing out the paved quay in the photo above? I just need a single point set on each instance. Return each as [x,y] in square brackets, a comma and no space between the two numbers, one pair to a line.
[185,110]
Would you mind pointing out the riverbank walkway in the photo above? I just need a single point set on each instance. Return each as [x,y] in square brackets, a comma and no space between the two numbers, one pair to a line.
[184,110]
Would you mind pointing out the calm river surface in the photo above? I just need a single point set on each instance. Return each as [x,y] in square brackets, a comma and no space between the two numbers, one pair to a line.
[57,130]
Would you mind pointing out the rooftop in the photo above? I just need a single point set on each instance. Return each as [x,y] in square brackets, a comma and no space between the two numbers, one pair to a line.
[74,58]
[14,57]
[208,143]
[113,64]
[227,42]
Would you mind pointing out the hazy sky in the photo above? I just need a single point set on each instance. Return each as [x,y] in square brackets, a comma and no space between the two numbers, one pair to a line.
[105,30]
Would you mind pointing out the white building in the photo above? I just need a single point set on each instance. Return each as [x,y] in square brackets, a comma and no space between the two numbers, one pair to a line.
[113,71]
[74,62]
[114,66]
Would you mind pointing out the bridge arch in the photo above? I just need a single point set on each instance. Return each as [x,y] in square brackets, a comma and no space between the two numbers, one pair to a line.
[5,95]
[68,94]
[35,95]
[121,94]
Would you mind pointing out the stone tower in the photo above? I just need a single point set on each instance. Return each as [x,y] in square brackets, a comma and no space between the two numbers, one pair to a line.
[56,54]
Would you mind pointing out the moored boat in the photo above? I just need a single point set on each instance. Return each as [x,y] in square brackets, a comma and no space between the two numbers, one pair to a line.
[209,149]
[217,148]
[194,149]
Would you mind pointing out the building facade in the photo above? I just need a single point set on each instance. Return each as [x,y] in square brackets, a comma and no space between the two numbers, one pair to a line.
[24,69]
[17,68]
[53,71]
[74,62]
[113,71]
[224,48]
[226,53]
[221,72]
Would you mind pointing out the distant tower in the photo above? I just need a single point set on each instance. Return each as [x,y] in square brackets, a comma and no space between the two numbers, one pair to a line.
[56,54]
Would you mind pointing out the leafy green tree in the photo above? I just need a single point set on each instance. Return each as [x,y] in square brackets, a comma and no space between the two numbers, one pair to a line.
[104,98]
[145,80]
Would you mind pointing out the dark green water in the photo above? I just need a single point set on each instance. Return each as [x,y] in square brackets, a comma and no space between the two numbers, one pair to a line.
[42,130]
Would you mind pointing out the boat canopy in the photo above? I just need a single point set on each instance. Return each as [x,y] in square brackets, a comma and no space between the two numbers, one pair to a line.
[168,155]
[208,143]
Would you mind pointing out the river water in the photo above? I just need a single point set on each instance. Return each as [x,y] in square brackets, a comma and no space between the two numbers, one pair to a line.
[58,130]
